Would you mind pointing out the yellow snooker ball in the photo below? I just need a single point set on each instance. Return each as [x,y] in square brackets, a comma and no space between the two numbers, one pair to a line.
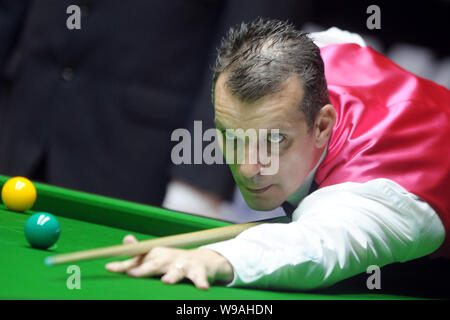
[18,194]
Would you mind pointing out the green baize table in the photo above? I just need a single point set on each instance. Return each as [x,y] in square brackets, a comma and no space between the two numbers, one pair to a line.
[91,221]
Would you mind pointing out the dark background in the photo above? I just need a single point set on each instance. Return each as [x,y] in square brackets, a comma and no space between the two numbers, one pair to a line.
[424,23]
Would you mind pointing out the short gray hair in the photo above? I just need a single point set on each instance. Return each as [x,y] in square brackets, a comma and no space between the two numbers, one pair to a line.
[259,56]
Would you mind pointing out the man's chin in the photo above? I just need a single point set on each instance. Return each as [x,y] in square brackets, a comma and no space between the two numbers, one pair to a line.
[262,204]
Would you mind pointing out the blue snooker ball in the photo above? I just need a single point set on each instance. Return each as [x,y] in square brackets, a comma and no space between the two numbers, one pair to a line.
[42,230]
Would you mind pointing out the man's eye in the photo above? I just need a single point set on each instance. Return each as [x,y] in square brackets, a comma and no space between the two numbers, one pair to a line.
[276,137]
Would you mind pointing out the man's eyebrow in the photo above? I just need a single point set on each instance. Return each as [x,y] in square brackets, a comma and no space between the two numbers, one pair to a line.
[280,127]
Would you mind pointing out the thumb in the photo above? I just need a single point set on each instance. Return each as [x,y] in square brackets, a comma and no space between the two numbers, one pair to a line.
[128,239]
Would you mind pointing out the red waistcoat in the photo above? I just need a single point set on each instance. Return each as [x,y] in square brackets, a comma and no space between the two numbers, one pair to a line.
[390,124]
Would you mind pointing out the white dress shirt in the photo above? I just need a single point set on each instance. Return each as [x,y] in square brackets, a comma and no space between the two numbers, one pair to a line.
[337,231]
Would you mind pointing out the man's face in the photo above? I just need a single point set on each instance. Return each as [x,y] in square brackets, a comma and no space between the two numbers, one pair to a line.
[297,148]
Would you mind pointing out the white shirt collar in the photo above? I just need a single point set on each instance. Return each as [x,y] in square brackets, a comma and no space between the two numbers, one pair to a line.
[303,190]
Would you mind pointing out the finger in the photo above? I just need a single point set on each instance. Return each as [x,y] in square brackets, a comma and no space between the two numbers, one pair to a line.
[199,278]
[122,266]
[147,269]
[129,238]
[175,274]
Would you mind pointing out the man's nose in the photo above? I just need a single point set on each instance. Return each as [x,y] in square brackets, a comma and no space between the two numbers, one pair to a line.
[249,170]
[251,165]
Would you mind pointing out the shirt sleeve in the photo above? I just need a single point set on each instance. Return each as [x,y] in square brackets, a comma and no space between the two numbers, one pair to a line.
[335,35]
[337,232]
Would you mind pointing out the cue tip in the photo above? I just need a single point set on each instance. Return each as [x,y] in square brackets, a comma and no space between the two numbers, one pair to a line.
[48,261]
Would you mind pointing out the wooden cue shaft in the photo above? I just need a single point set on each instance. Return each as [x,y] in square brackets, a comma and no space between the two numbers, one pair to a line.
[190,239]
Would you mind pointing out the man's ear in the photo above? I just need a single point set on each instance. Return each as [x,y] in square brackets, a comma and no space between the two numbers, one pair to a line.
[323,125]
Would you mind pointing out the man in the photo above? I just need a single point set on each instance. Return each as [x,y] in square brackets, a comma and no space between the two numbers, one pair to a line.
[362,161]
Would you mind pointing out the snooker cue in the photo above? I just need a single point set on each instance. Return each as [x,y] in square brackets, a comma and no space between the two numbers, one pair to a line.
[196,238]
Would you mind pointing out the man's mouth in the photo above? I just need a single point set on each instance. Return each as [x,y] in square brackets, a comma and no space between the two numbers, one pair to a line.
[258,190]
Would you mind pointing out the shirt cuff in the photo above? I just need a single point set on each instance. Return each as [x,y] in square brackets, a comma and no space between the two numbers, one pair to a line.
[230,250]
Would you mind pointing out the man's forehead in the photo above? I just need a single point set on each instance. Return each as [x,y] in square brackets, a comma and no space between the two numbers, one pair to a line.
[231,123]
[279,110]
[292,84]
